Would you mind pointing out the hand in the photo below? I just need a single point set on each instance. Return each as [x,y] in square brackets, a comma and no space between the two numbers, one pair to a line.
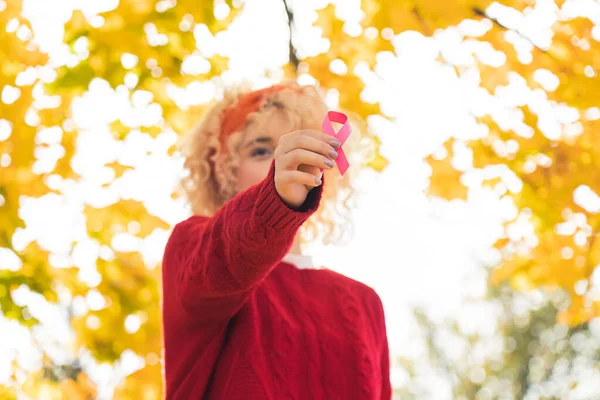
[298,158]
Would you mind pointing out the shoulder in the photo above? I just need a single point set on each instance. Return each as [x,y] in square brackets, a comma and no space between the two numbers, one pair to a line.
[185,229]
[365,294]
[182,237]
[369,306]
[192,221]
[338,279]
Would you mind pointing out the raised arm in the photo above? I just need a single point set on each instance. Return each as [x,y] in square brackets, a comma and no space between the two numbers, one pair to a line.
[216,261]
[212,263]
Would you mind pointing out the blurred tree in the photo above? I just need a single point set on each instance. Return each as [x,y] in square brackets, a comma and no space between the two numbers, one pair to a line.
[38,98]
[545,137]
[525,354]
[149,51]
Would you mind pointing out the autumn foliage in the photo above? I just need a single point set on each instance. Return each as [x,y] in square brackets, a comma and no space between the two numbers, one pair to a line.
[550,145]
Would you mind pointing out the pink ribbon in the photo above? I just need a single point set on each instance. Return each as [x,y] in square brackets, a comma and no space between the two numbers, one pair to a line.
[342,135]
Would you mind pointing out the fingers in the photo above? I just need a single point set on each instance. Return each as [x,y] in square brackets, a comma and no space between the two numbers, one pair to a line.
[294,158]
[316,171]
[309,140]
[299,177]
[306,147]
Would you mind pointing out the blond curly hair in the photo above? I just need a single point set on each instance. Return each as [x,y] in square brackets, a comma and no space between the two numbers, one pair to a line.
[211,170]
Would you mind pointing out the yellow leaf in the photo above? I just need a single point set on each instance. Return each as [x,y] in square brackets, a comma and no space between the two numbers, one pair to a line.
[144,384]
[445,180]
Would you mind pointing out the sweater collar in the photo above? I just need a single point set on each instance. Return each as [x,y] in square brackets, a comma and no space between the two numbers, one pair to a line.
[300,261]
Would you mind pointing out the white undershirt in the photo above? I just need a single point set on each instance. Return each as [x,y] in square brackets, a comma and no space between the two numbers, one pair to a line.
[300,261]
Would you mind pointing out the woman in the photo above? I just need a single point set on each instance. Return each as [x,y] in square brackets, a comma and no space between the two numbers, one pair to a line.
[245,315]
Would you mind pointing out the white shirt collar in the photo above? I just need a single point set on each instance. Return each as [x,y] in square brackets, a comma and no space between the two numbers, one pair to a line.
[300,261]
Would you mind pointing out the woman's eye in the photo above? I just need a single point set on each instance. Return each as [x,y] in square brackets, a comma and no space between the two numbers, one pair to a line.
[260,152]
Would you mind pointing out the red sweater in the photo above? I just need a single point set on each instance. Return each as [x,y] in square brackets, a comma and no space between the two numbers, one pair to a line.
[241,324]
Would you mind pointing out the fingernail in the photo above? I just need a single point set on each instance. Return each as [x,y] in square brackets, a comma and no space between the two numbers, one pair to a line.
[318,181]
[329,162]
[333,154]
[335,143]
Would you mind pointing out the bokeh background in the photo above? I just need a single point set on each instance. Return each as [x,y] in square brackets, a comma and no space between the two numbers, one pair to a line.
[478,217]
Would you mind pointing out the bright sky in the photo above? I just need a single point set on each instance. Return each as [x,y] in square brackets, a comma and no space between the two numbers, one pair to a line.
[411,249]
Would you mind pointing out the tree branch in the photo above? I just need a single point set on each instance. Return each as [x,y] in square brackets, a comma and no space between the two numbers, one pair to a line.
[478,11]
[421,20]
[560,65]
[292,50]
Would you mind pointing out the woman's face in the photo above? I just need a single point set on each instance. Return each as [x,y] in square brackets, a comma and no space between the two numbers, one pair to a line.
[257,148]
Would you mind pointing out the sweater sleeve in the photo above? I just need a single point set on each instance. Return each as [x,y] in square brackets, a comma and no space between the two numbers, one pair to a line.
[216,261]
